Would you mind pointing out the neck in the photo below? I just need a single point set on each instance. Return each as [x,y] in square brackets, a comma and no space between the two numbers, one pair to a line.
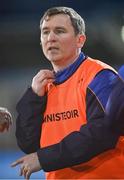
[59,66]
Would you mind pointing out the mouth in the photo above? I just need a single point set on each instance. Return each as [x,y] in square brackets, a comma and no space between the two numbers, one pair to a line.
[52,48]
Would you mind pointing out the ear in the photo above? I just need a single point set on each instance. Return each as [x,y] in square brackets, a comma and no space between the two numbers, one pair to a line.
[81,40]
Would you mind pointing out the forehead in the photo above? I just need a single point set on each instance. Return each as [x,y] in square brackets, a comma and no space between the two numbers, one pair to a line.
[56,20]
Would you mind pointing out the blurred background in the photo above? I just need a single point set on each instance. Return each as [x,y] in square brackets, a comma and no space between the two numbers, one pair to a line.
[21,56]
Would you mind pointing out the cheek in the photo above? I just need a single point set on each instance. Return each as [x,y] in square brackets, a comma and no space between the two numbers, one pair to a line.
[69,45]
[43,46]
[42,43]
[70,41]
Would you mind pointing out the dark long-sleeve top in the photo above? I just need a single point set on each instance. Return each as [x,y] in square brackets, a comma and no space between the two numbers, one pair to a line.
[115,104]
[93,138]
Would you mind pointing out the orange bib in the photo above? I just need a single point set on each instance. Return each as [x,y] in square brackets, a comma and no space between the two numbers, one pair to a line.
[66,113]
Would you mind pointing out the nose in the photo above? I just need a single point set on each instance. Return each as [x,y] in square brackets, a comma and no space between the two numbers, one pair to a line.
[51,36]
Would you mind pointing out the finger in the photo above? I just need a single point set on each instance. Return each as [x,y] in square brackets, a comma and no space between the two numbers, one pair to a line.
[8,121]
[19,161]
[2,118]
[41,80]
[26,172]
[21,170]
[46,81]
[27,175]
[45,75]
[6,126]
[8,118]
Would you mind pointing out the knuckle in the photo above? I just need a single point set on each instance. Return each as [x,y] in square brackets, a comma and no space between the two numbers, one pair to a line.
[44,74]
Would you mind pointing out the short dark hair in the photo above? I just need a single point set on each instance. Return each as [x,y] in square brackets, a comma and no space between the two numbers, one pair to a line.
[76,20]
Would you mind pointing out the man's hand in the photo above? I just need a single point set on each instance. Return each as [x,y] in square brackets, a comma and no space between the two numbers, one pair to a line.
[40,81]
[29,165]
[5,119]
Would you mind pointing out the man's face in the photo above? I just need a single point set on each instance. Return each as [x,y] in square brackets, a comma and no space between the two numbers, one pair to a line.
[59,42]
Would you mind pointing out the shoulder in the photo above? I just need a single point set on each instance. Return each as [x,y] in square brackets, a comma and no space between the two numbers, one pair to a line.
[98,64]
[102,85]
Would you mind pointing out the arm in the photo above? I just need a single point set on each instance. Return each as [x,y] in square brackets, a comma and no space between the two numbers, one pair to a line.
[28,124]
[115,104]
[30,112]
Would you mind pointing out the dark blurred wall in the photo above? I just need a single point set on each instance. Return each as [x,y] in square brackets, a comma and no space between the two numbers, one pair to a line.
[19,30]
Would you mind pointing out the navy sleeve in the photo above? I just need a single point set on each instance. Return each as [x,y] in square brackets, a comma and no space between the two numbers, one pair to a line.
[28,123]
[102,85]
[93,138]
[115,104]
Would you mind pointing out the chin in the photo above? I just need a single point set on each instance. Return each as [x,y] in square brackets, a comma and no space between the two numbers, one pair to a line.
[54,58]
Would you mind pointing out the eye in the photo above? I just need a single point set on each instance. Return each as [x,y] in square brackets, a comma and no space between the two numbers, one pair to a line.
[60,31]
[46,32]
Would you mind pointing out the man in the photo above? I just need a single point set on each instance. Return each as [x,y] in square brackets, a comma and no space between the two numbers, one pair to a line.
[5,119]
[61,122]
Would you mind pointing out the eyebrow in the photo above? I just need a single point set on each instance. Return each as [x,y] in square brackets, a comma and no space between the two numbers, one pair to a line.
[57,27]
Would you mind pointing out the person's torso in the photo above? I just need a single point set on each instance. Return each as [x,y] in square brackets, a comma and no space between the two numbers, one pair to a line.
[65,113]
